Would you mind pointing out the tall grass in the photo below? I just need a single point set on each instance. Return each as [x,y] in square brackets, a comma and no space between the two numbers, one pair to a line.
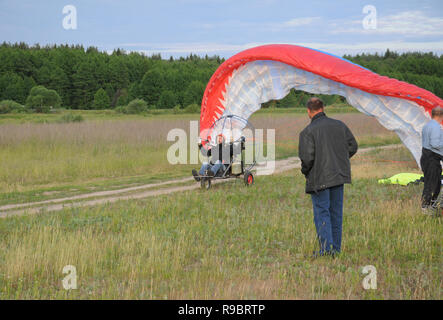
[232,242]
[51,154]
[367,130]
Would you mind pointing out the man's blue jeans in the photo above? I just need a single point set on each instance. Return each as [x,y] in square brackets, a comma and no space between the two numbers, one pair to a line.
[328,218]
[214,168]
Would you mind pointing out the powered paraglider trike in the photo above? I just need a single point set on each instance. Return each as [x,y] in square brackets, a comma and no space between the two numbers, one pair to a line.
[237,135]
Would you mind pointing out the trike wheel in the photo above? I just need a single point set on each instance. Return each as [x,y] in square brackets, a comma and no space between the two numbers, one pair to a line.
[205,183]
[249,179]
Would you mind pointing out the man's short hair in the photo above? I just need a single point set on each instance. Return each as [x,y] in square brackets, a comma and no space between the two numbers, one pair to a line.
[437,112]
[315,104]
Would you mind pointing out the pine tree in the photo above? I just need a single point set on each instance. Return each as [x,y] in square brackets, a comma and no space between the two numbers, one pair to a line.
[152,86]
[84,86]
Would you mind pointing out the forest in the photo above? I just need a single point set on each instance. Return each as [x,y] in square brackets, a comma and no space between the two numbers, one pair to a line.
[36,78]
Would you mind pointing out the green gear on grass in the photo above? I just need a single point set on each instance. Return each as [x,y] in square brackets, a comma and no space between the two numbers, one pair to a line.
[402,179]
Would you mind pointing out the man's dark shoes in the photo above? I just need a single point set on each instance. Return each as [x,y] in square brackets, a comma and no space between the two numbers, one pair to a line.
[317,254]
[195,174]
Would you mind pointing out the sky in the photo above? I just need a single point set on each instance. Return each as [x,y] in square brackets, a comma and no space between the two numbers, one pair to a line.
[225,27]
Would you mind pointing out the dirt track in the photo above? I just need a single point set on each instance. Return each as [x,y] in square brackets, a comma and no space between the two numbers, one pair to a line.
[110,196]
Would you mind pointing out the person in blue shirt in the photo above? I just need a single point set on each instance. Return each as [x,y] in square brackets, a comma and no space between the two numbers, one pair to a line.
[432,154]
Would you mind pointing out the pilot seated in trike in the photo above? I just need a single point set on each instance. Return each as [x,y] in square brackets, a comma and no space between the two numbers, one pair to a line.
[221,156]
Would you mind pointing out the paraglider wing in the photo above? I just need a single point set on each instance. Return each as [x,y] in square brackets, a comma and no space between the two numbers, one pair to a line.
[254,76]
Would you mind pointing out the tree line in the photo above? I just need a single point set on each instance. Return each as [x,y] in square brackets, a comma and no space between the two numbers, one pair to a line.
[79,75]
[425,70]
[86,78]
[422,69]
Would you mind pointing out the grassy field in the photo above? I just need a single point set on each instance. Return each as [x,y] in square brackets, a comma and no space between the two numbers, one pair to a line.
[57,115]
[232,242]
[108,150]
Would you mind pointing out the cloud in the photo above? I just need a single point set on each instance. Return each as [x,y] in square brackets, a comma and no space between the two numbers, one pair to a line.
[380,46]
[299,22]
[408,23]
[251,25]
[226,50]
[202,48]
[290,24]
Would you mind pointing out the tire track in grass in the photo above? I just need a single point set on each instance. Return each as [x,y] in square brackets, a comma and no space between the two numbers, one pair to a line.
[93,194]
[111,196]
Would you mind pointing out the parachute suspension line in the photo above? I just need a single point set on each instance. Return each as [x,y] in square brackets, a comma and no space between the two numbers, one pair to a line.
[255,83]
[257,75]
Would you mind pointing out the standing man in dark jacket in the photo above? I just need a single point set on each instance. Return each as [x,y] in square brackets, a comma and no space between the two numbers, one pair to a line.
[325,147]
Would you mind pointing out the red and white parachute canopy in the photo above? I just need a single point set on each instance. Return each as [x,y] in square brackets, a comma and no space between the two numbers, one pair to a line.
[254,76]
